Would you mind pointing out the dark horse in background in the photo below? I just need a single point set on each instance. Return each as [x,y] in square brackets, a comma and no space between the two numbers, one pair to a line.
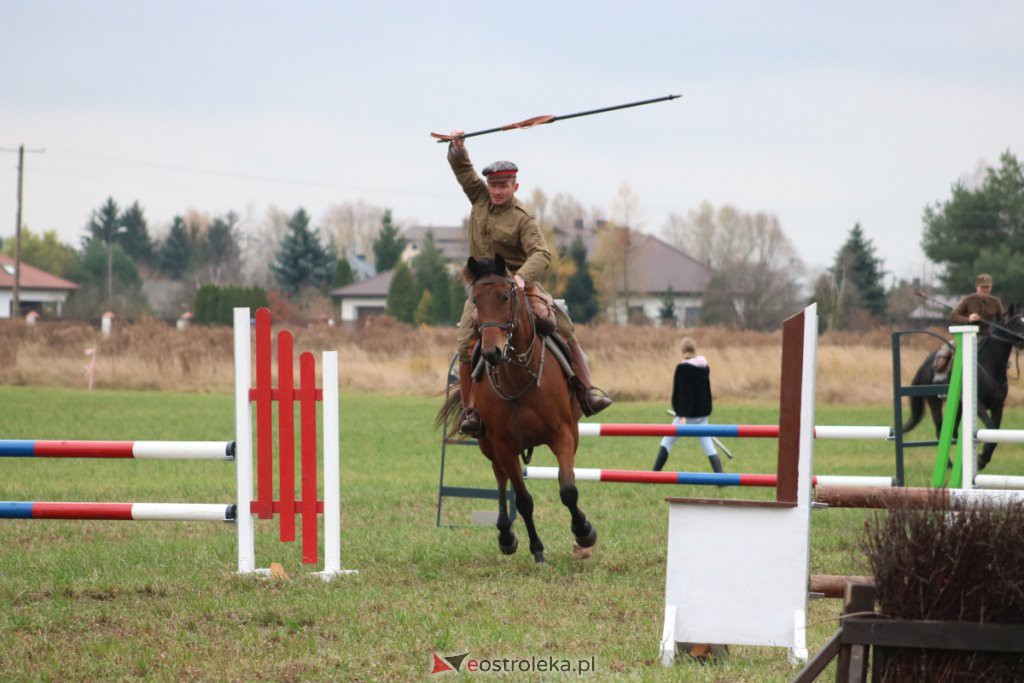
[523,402]
[993,356]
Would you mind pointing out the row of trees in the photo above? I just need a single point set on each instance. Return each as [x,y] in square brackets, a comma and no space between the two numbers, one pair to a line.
[758,276]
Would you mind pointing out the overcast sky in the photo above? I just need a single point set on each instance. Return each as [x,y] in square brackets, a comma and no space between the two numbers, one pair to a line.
[824,114]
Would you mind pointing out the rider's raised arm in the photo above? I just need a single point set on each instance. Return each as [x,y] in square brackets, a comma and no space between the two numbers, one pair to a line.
[472,184]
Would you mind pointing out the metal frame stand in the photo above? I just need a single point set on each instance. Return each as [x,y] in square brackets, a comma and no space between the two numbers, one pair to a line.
[899,391]
[445,491]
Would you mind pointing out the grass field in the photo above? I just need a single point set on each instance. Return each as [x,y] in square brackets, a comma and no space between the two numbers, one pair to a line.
[157,600]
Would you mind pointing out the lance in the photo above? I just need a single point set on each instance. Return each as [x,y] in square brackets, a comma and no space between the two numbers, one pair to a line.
[550,118]
[920,292]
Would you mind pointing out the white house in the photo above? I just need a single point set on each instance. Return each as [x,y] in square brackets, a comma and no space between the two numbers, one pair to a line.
[39,291]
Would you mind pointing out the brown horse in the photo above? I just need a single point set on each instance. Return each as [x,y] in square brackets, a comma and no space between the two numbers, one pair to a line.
[523,402]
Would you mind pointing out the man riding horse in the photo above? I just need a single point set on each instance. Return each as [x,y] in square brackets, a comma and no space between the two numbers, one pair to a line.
[979,309]
[500,224]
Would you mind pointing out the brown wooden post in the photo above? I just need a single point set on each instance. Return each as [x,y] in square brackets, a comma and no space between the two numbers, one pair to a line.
[790,405]
[853,659]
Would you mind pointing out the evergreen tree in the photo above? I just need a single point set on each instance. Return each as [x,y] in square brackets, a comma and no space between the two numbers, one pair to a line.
[201,254]
[175,253]
[389,245]
[432,276]
[92,269]
[858,273]
[104,225]
[134,238]
[223,248]
[980,230]
[667,311]
[343,274]
[424,314]
[302,261]
[580,292]
[403,294]
[215,305]
[90,273]
[457,300]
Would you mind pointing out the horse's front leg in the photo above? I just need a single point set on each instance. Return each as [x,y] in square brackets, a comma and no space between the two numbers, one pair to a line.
[524,504]
[507,542]
[564,448]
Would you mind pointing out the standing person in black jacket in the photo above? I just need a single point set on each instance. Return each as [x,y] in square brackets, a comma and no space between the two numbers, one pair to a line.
[691,402]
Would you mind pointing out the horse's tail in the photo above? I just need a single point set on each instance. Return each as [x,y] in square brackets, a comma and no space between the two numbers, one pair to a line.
[448,415]
[922,376]
[916,413]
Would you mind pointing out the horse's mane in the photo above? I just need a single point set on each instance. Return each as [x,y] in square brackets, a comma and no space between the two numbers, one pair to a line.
[478,268]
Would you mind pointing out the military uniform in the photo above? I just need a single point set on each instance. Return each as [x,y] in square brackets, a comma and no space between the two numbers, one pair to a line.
[509,230]
[987,308]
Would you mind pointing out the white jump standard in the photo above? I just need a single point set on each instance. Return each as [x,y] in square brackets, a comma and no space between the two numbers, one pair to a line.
[244,511]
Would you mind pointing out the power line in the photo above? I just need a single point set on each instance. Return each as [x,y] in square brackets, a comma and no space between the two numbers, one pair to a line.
[242,176]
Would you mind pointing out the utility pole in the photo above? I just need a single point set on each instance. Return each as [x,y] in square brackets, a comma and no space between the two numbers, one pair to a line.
[16,303]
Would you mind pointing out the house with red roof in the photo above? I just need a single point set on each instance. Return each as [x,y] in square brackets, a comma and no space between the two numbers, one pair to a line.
[39,291]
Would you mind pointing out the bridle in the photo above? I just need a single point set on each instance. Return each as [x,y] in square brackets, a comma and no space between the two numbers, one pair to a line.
[509,354]
[512,357]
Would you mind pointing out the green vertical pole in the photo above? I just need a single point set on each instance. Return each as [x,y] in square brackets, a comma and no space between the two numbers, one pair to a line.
[949,417]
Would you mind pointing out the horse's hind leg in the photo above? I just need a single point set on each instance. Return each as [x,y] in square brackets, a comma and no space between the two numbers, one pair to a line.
[935,408]
[992,422]
[507,542]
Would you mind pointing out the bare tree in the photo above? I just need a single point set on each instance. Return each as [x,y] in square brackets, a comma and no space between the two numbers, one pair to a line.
[608,264]
[757,268]
[563,211]
[260,246]
[352,226]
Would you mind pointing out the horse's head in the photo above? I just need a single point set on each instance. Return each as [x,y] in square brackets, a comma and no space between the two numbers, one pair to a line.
[494,293]
[1013,323]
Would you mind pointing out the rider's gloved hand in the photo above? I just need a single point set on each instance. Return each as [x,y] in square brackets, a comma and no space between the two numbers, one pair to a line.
[520,282]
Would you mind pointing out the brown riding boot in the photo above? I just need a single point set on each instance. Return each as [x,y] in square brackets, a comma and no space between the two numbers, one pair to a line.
[591,400]
[470,423]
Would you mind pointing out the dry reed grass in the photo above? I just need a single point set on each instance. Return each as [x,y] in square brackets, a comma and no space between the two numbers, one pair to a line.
[631,363]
